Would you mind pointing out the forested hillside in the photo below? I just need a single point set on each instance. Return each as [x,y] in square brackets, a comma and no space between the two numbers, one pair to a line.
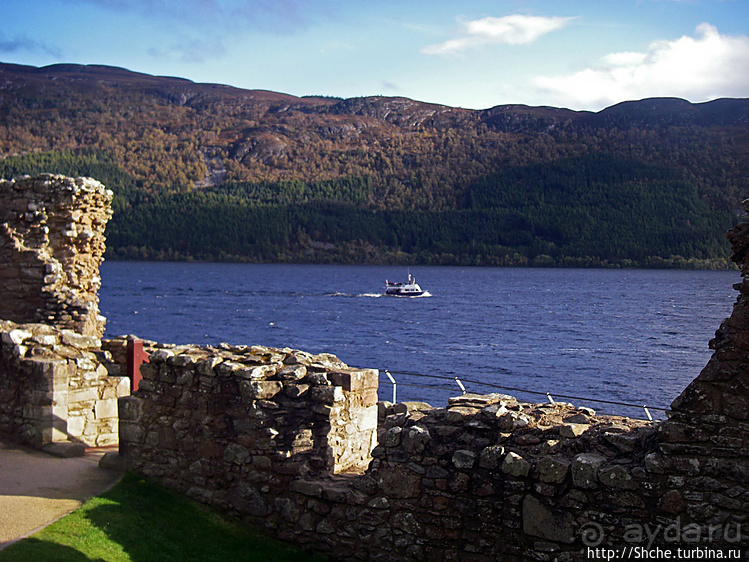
[205,171]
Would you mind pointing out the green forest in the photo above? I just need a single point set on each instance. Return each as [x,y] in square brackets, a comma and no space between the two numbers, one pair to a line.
[585,212]
[240,176]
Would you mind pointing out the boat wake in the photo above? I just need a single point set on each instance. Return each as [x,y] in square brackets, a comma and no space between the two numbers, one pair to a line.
[352,295]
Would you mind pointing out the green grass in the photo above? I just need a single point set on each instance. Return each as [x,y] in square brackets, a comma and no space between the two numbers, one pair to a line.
[139,521]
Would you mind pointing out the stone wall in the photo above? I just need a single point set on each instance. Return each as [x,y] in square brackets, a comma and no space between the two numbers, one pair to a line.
[51,247]
[240,415]
[486,478]
[54,387]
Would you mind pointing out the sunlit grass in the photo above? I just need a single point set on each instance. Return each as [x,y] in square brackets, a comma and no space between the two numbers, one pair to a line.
[138,521]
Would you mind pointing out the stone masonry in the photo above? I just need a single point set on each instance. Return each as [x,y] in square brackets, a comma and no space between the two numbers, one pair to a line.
[54,387]
[253,411]
[51,247]
[486,478]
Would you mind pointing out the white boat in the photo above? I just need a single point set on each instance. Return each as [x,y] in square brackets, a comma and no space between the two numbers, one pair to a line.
[408,289]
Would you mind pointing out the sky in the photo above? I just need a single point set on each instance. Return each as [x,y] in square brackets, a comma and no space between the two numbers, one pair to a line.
[582,55]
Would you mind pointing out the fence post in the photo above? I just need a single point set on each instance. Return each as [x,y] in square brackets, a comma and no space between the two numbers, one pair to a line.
[392,380]
[136,356]
[460,384]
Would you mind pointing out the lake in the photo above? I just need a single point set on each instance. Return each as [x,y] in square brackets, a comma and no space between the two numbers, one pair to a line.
[631,336]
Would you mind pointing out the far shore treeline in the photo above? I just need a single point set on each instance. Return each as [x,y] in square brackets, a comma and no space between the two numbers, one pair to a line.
[206,172]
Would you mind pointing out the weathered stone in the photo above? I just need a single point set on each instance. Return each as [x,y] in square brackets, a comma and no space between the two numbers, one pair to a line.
[616,477]
[392,437]
[327,394]
[250,500]
[16,337]
[399,482]
[491,457]
[262,390]
[552,471]
[539,520]
[572,430]
[512,420]
[415,438]
[585,470]
[293,372]
[161,355]
[515,465]
[65,449]
[672,502]
[79,340]
[463,459]
[457,414]
[579,418]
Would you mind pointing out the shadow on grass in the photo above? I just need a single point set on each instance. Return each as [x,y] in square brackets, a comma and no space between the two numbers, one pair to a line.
[36,550]
[139,521]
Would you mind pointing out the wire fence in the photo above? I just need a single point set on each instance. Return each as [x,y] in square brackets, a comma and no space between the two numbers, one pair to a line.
[551,397]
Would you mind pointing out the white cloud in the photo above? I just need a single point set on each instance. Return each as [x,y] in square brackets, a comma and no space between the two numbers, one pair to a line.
[706,66]
[509,30]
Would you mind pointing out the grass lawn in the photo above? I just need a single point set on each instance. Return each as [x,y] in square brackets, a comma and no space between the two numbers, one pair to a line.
[140,521]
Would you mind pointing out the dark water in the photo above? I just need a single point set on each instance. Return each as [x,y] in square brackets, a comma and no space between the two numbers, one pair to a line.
[631,336]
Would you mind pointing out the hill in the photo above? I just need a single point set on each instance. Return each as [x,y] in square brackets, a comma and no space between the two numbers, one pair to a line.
[207,171]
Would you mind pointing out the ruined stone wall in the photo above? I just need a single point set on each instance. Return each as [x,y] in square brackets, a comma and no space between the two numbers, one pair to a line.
[487,478]
[229,421]
[51,247]
[54,387]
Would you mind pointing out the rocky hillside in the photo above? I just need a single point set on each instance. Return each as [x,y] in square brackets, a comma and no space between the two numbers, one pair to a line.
[381,179]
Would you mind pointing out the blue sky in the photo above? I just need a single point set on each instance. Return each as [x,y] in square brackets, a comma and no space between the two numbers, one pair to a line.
[468,53]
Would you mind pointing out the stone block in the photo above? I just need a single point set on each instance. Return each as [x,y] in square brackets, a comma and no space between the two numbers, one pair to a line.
[392,437]
[113,461]
[572,430]
[540,520]
[369,397]
[76,425]
[617,477]
[491,457]
[80,341]
[65,449]
[307,488]
[130,408]
[365,418]
[89,394]
[123,386]
[16,337]
[463,459]
[415,439]
[327,394]
[106,408]
[263,390]
[295,390]
[292,372]
[585,470]
[552,471]
[206,366]
[106,439]
[516,466]
[399,482]
[355,381]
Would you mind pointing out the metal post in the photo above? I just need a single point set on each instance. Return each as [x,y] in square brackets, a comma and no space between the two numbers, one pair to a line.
[392,380]
[551,400]
[136,356]
[647,412]
[460,384]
